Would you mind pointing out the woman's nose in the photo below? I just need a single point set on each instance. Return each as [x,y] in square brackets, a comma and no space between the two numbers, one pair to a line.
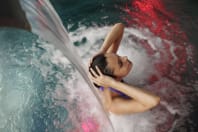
[125,58]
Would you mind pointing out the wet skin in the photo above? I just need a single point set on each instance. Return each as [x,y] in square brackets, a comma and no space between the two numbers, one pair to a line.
[120,65]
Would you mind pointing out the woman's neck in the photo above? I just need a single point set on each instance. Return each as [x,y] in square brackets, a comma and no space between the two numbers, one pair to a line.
[119,78]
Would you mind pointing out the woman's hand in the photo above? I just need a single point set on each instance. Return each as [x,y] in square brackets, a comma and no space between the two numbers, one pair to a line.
[100,79]
[90,61]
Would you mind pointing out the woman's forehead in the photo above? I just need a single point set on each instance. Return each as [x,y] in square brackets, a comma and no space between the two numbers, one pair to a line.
[112,59]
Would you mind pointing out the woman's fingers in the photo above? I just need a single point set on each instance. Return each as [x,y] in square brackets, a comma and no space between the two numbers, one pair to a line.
[98,78]
[98,70]
[95,80]
[94,74]
[91,77]
[89,64]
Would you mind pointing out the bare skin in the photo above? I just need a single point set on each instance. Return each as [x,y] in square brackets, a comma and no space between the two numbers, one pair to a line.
[141,99]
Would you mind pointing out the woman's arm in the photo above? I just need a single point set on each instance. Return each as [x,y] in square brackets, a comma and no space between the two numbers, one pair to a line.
[113,38]
[106,98]
[141,101]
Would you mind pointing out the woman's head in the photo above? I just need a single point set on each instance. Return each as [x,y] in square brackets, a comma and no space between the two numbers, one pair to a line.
[101,62]
[112,65]
[120,65]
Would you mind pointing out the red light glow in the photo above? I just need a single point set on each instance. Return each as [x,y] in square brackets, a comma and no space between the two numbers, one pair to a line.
[153,15]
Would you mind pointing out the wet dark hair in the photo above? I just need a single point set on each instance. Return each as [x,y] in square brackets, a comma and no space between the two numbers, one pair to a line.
[101,62]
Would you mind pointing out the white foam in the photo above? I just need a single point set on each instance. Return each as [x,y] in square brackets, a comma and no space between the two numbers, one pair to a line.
[95,35]
[80,100]
[142,69]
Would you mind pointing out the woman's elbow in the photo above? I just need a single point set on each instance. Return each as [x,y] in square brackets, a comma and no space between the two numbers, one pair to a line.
[152,104]
[119,25]
[156,102]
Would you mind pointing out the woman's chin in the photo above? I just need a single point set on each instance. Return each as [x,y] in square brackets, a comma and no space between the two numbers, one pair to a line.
[130,67]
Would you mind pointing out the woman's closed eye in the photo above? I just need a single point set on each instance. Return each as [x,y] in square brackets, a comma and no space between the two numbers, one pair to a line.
[120,62]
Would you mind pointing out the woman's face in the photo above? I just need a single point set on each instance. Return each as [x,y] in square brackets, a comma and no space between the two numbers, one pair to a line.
[121,66]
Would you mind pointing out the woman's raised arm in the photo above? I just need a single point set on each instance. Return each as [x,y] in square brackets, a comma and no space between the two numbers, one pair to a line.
[113,39]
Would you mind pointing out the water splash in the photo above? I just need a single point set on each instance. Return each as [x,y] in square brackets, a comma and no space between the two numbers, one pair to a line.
[43,21]
[46,23]
[169,50]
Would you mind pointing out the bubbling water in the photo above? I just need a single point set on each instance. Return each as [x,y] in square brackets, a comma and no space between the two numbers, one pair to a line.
[42,90]
[145,50]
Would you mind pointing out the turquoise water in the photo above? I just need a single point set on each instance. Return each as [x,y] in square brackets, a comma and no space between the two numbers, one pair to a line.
[161,35]
[41,90]
[46,93]
[89,13]
[25,93]
[37,87]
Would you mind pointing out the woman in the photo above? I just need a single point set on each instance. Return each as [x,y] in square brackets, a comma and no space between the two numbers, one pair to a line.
[106,71]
